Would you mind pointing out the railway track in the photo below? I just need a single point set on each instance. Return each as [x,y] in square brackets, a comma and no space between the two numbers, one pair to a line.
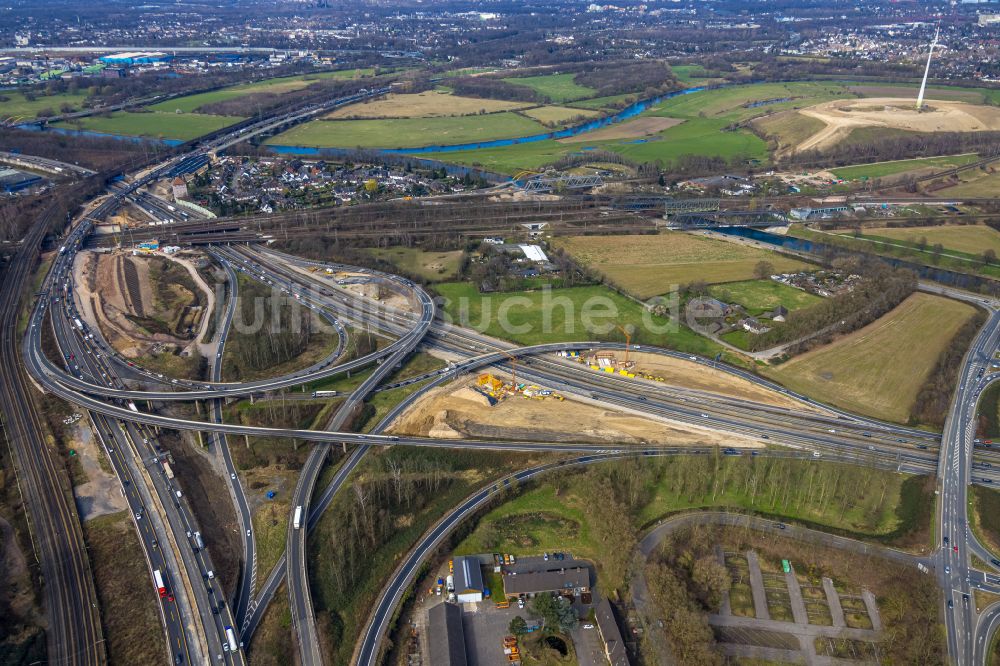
[958,169]
[74,633]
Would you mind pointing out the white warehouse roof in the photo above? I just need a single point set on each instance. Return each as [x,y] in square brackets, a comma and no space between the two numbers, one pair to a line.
[534,253]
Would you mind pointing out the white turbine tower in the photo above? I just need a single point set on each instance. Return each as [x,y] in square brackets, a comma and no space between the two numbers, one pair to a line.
[927,70]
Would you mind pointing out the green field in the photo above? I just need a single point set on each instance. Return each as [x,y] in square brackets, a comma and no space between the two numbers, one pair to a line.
[758,296]
[510,159]
[651,265]
[974,184]
[609,102]
[16,106]
[951,259]
[691,74]
[407,132]
[788,128]
[430,266]
[563,315]
[706,114]
[695,136]
[731,103]
[971,239]
[879,369]
[986,517]
[556,87]
[158,124]
[964,94]
[882,169]
[190,103]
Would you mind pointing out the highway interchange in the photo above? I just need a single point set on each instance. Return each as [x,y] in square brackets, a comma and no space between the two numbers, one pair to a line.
[195,617]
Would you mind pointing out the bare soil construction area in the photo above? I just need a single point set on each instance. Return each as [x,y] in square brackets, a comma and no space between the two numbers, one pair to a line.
[687,374]
[457,411]
[142,305]
[843,116]
[630,129]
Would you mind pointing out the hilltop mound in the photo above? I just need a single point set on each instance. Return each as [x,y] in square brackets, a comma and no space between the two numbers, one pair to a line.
[841,117]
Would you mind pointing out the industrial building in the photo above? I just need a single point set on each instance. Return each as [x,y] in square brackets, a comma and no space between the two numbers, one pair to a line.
[468,580]
[446,636]
[12,180]
[611,636]
[573,581]
[136,58]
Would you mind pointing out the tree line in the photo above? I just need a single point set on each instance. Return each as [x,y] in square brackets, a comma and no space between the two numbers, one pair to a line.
[878,147]
[934,398]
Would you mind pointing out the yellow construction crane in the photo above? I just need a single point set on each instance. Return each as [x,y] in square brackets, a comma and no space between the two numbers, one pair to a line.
[628,341]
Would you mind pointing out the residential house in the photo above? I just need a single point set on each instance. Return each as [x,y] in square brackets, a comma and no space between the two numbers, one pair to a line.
[752,325]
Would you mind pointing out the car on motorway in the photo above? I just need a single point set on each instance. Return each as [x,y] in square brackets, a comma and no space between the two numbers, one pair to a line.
[951,603]
[946,540]
[995,562]
[955,548]
[947,569]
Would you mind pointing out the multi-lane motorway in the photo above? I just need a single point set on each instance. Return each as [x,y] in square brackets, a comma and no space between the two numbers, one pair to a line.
[968,632]
[74,627]
[195,618]
[296,563]
[917,460]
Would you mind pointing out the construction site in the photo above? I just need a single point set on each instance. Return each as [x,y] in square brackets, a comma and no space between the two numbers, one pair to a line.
[497,405]
[149,305]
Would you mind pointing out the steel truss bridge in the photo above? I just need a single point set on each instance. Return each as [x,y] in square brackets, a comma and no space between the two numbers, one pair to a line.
[727,218]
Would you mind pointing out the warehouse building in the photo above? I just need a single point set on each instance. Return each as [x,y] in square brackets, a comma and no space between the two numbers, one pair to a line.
[12,180]
[469,584]
[135,58]
[446,636]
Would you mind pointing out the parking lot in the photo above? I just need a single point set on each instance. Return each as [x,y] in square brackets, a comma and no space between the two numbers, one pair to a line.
[485,626]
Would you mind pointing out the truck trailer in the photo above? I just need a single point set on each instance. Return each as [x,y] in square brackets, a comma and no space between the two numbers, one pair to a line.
[161,587]
[234,645]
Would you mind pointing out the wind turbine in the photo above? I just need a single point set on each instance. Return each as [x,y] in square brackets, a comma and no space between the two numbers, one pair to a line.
[927,70]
